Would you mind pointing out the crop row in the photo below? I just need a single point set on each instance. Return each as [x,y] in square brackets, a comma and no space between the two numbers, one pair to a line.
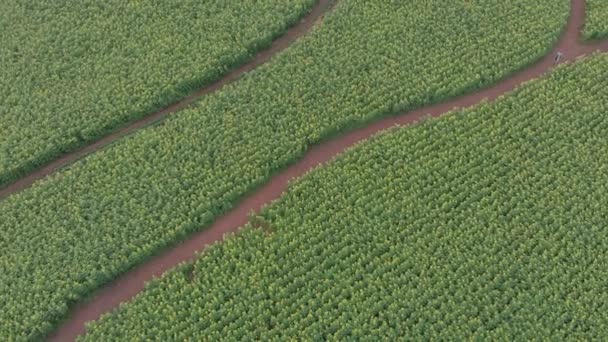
[80,228]
[596,21]
[72,71]
[486,224]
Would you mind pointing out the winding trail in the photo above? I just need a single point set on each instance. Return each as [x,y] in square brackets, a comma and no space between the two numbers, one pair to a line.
[131,283]
[278,45]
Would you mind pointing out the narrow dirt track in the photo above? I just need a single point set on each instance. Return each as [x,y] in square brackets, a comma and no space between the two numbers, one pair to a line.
[131,283]
[260,58]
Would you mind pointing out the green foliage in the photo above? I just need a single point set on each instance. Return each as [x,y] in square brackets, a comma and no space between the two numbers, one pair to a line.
[78,229]
[486,224]
[70,71]
[596,21]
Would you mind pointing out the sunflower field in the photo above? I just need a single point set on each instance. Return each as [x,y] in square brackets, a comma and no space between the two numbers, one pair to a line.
[485,224]
[78,229]
[596,20]
[71,71]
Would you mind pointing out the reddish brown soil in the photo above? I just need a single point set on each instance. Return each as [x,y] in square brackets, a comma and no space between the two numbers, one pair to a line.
[262,57]
[131,283]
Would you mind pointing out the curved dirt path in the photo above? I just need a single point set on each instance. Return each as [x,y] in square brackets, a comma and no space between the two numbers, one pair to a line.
[278,45]
[131,283]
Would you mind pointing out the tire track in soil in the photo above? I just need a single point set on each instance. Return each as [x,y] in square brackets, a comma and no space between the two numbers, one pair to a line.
[278,45]
[130,284]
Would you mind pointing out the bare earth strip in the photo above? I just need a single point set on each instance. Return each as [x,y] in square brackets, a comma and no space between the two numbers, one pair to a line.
[131,283]
[260,58]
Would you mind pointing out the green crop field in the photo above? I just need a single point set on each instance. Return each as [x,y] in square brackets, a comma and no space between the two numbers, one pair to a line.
[596,25]
[81,227]
[486,224]
[70,71]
